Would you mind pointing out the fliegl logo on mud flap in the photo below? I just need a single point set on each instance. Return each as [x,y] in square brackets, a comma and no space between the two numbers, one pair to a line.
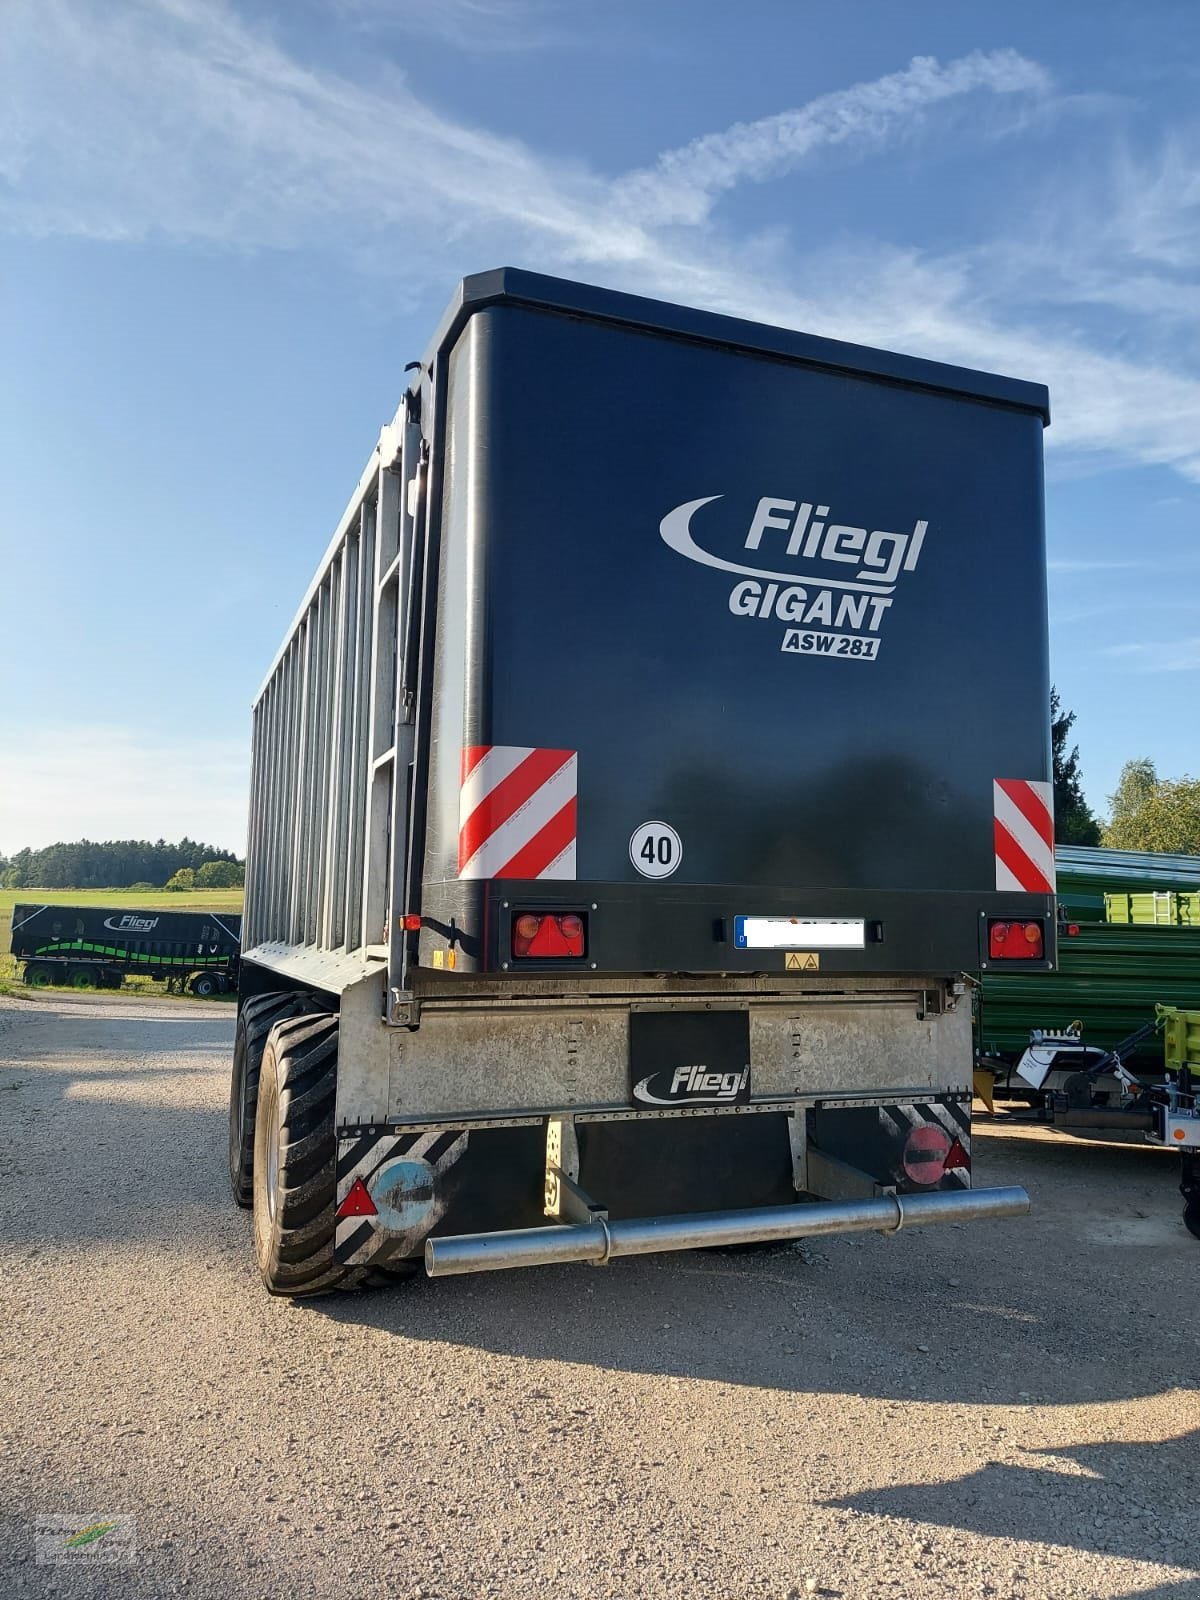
[832,584]
[694,1085]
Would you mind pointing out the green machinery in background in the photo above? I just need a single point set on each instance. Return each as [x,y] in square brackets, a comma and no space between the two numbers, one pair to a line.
[1164,908]
[1129,940]
[1175,1108]
[1111,1040]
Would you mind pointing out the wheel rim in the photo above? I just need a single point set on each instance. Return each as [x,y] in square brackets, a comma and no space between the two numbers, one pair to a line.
[40,979]
[82,980]
[273,1137]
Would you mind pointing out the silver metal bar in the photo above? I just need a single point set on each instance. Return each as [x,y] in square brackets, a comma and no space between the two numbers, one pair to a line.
[360,756]
[297,800]
[544,1247]
[380,737]
[320,762]
[333,933]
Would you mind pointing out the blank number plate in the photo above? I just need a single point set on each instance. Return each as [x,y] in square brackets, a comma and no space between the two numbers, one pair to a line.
[799,933]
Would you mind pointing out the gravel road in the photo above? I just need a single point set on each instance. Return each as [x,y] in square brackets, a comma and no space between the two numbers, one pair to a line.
[1003,1410]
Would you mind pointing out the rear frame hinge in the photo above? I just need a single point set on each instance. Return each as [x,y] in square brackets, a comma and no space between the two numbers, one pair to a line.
[403,1010]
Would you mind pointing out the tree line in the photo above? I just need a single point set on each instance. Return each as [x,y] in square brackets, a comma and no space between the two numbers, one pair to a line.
[123,864]
[1146,813]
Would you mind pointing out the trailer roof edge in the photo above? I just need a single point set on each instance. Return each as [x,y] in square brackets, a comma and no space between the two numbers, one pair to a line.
[516,286]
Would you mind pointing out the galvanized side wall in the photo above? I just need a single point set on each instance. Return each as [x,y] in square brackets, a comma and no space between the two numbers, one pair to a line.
[328,741]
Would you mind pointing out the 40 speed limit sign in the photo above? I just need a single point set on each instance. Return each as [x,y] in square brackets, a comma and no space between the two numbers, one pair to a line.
[655,849]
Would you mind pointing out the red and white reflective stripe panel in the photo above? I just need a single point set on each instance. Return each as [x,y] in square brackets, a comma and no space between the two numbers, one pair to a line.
[1024,835]
[517,812]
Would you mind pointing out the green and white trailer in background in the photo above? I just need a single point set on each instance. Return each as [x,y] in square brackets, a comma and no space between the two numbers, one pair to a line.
[1110,1042]
[1118,958]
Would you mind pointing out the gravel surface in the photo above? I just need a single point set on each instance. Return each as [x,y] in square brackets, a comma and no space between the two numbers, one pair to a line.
[1003,1410]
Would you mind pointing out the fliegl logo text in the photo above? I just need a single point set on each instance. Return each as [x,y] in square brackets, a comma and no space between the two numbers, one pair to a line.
[830,584]
[694,1084]
[131,923]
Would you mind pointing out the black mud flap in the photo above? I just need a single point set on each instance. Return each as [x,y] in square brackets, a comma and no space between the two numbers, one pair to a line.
[912,1148]
[391,1190]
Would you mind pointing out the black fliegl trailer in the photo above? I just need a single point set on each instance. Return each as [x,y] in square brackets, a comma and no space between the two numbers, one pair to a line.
[661,740]
[96,947]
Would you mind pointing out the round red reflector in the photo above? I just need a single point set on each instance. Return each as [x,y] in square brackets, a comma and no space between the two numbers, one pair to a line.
[526,927]
[572,926]
[925,1153]
[999,931]
[1073,929]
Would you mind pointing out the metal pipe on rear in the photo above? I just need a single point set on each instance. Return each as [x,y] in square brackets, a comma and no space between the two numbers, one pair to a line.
[604,1241]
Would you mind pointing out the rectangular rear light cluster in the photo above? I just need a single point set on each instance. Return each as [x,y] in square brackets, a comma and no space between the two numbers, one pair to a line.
[1014,939]
[548,935]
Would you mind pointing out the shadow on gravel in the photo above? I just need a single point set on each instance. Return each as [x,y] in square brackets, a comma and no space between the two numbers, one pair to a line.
[1184,1590]
[1102,1511]
[102,1143]
[1028,1312]
[1087,1154]
[101,1172]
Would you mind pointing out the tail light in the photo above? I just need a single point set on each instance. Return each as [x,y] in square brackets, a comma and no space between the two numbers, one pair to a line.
[1015,941]
[546,936]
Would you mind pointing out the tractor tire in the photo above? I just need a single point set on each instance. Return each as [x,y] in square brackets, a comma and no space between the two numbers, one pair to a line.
[38,975]
[295,1159]
[203,985]
[84,978]
[255,1020]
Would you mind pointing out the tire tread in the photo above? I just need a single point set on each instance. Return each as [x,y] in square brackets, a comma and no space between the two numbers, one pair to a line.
[296,1251]
[256,1018]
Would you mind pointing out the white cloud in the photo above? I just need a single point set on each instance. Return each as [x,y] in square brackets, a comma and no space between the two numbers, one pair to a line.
[683,184]
[178,119]
[487,26]
[120,783]
[1177,655]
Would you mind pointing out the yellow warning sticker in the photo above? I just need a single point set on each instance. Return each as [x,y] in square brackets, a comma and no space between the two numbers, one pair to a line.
[802,961]
[439,958]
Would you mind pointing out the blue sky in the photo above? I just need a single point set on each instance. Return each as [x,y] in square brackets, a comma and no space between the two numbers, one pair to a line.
[225,228]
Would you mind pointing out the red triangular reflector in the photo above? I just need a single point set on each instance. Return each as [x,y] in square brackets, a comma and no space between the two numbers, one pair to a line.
[956,1156]
[358,1202]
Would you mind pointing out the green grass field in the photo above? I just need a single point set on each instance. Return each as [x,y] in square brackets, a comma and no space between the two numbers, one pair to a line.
[121,899]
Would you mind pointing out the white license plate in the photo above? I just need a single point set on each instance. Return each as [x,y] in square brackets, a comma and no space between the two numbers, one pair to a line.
[799,933]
